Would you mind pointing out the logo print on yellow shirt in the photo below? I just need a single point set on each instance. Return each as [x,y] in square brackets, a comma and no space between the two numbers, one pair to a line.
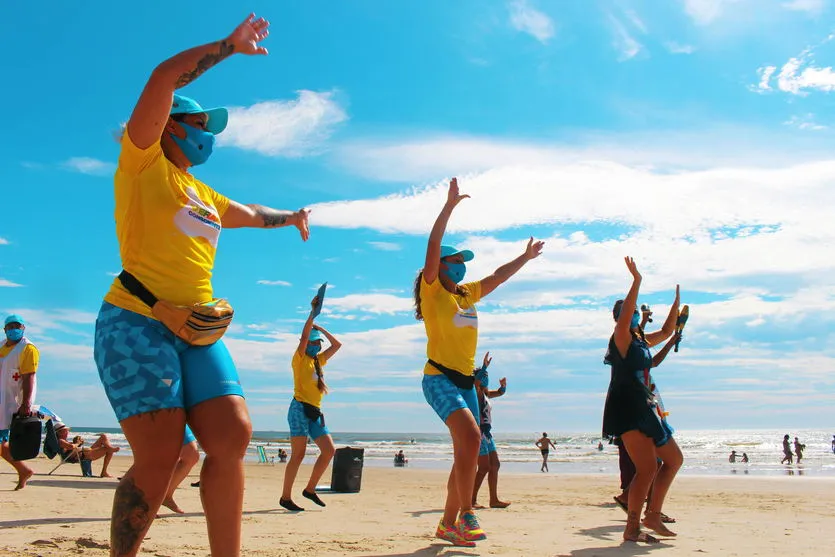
[198,219]
[466,318]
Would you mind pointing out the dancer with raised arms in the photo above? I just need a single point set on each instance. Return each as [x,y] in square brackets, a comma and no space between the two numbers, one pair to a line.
[156,340]
[446,306]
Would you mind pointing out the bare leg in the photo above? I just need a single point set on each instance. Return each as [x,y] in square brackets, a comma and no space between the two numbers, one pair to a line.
[189,456]
[481,473]
[493,482]
[23,471]
[223,429]
[326,451]
[672,459]
[642,452]
[155,439]
[298,447]
[466,439]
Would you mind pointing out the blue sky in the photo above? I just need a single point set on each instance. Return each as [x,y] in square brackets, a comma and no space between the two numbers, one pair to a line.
[694,135]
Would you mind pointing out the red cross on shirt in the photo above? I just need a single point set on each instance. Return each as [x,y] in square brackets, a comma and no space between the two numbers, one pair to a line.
[16,376]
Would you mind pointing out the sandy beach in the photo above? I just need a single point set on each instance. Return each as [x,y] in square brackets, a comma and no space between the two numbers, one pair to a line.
[397,510]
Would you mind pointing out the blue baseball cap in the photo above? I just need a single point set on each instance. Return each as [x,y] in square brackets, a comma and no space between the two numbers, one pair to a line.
[314,335]
[446,251]
[218,117]
[15,318]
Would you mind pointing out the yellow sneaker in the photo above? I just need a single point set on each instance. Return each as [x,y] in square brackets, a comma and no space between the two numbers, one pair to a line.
[469,528]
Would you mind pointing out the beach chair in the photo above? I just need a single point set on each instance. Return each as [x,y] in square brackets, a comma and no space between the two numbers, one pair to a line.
[51,449]
[262,456]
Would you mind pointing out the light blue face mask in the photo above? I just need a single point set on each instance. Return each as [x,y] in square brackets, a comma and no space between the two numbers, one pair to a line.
[198,144]
[484,378]
[636,320]
[455,271]
[14,335]
[312,350]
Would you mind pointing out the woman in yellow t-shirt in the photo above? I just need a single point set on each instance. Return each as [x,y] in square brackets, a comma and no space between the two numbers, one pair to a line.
[168,224]
[447,309]
[305,414]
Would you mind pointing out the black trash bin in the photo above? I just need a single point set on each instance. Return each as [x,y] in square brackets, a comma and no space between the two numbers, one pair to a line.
[347,470]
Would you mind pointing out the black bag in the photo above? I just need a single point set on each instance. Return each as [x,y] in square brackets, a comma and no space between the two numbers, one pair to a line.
[313,413]
[25,437]
[465,382]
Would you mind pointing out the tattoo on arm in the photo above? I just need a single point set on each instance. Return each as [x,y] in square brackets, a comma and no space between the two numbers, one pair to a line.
[131,518]
[224,49]
[272,218]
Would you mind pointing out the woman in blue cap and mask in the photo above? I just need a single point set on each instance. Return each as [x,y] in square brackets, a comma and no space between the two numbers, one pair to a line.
[446,306]
[630,412]
[168,224]
[305,414]
[488,457]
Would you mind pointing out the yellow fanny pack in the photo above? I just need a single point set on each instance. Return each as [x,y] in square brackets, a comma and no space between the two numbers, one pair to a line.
[199,324]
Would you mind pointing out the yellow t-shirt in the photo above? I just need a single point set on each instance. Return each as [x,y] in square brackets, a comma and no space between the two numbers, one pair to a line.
[451,323]
[305,380]
[28,358]
[167,224]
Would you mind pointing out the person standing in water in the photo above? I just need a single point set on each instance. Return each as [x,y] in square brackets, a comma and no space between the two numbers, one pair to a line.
[488,457]
[798,449]
[305,414]
[787,451]
[447,307]
[544,444]
[631,412]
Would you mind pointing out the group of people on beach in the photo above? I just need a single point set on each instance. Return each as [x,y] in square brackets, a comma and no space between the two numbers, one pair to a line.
[798,450]
[167,372]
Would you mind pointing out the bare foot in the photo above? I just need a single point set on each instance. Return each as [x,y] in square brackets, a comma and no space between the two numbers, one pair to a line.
[23,478]
[171,504]
[652,520]
[106,475]
[477,506]
[639,537]
[499,504]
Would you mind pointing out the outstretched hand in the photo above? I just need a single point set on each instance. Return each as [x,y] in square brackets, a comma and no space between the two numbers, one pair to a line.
[633,268]
[453,196]
[534,249]
[314,302]
[487,360]
[678,295]
[503,382]
[302,217]
[247,35]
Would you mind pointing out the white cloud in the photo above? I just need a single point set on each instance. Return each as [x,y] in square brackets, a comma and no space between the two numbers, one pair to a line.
[274,283]
[8,284]
[805,122]
[765,74]
[386,246]
[527,19]
[91,166]
[814,7]
[636,21]
[798,75]
[4,242]
[285,128]
[623,42]
[376,303]
[704,12]
[677,48]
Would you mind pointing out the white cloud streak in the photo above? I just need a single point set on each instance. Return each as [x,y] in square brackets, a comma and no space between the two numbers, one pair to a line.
[625,44]
[704,12]
[798,76]
[90,166]
[274,283]
[678,48]
[527,19]
[813,7]
[8,284]
[4,242]
[386,246]
[279,128]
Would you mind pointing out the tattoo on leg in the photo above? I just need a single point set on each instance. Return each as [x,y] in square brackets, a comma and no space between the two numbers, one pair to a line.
[272,217]
[130,517]
[224,50]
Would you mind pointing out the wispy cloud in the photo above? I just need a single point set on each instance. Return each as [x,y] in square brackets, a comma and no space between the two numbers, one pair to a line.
[805,122]
[527,19]
[292,128]
[4,242]
[89,165]
[376,303]
[813,7]
[704,12]
[386,246]
[677,48]
[274,283]
[625,44]
[8,284]
[798,75]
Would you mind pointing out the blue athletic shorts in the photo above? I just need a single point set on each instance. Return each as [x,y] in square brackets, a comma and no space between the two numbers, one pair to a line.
[188,437]
[301,425]
[144,367]
[445,398]
[487,444]
[4,435]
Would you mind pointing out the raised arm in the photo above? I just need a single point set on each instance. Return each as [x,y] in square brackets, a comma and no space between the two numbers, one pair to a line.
[335,345]
[623,336]
[151,111]
[258,216]
[500,275]
[669,327]
[308,325]
[433,247]
[661,354]
[500,391]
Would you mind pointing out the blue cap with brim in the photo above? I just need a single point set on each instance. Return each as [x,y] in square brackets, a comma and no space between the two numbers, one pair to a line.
[218,117]
[15,318]
[446,251]
[314,335]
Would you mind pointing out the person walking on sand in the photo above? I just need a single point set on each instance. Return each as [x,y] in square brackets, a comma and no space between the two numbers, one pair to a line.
[18,383]
[488,457]
[787,451]
[544,444]
[798,449]
[157,339]
[447,307]
[631,412]
[189,457]
[305,414]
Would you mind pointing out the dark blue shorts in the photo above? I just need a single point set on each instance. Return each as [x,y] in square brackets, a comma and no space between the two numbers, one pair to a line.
[145,367]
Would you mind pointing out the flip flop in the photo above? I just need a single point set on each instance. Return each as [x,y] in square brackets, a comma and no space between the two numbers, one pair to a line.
[621,504]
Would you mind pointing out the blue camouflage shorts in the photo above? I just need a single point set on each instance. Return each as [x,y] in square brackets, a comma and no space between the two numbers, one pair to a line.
[145,367]
[301,425]
[445,398]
